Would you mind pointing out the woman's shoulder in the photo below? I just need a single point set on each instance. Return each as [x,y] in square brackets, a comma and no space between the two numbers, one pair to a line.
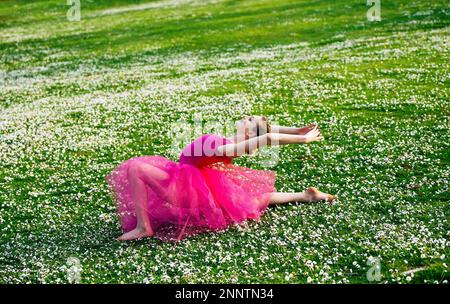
[203,149]
[205,142]
[208,143]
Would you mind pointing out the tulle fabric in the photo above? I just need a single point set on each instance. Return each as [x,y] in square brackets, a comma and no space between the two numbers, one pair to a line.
[202,193]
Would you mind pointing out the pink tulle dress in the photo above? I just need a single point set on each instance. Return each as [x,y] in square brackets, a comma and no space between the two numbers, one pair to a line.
[204,192]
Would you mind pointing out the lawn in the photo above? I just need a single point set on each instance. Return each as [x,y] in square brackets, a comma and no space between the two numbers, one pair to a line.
[79,97]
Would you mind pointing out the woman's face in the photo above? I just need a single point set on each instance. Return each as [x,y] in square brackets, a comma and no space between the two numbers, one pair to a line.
[248,126]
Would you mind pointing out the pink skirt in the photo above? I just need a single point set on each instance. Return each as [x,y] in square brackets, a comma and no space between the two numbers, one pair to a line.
[194,199]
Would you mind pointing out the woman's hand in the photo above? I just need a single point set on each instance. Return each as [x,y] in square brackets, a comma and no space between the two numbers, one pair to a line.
[305,130]
[312,135]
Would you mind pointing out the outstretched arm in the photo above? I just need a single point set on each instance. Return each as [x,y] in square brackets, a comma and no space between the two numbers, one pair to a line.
[293,130]
[270,139]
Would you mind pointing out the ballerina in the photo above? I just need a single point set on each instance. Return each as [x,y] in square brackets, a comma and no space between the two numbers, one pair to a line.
[204,191]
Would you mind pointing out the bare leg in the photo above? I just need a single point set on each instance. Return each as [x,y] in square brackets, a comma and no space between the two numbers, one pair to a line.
[140,176]
[310,195]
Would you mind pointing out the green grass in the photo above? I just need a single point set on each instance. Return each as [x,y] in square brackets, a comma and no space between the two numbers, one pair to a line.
[78,98]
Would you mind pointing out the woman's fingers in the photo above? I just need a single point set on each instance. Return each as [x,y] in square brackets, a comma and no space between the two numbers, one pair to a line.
[314,132]
[314,138]
[307,129]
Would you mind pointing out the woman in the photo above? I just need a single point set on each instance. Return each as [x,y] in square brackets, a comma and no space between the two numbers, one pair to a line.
[204,191]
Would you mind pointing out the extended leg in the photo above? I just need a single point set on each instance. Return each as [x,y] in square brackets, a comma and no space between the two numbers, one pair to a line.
[310,195]
[140,176]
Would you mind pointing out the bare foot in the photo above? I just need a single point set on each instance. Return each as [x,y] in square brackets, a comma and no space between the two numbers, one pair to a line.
[316,195]
[137,233]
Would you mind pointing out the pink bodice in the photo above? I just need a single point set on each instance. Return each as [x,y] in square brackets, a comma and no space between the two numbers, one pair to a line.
[202,151]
